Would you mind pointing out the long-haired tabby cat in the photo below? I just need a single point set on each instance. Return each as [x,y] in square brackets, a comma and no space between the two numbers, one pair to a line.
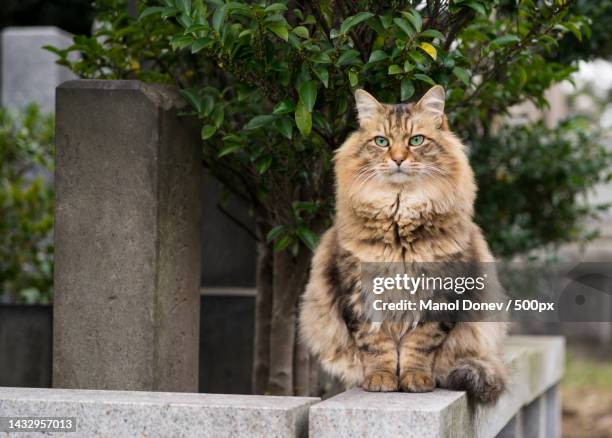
[405,193]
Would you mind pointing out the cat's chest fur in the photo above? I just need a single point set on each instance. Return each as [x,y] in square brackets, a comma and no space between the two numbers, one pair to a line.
[404,227]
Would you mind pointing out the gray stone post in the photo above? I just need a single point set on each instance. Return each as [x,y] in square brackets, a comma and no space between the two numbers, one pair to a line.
[127,239]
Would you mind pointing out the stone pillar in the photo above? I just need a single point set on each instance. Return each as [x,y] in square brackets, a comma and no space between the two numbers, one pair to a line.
[127,239]
[29,73]
[553,413]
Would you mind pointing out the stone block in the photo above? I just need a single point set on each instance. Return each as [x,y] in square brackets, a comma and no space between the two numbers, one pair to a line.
[29,73]
[536,364]
[123,414]
[127,238]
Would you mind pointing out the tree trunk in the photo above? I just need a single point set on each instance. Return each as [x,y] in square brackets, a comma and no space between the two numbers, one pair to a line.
[263,313]
[289,277]
[301,366]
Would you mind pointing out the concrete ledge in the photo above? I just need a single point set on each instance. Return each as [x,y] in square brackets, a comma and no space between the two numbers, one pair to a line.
[536,363]
[131,413]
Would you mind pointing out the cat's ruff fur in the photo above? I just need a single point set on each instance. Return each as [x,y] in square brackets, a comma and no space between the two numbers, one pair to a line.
[423,217]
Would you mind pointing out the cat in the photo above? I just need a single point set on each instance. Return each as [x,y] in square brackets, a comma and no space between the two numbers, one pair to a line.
[405,193]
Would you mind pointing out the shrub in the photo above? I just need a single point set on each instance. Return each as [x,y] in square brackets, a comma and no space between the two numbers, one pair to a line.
[26,206]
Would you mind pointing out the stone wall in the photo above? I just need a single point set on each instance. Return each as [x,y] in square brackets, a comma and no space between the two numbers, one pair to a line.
[529,409]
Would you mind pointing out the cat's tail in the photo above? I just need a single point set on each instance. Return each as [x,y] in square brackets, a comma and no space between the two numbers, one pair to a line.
[470,360]
[484,380]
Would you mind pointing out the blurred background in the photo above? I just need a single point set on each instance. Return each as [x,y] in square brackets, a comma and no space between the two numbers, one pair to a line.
[543,165]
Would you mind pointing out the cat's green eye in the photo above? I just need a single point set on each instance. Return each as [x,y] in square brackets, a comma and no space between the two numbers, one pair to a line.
[381,141]
[416,140]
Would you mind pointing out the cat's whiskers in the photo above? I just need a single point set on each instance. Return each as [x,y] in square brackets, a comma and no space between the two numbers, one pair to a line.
[365,174]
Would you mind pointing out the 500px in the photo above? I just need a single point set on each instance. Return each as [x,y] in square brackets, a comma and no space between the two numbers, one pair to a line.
[533,305]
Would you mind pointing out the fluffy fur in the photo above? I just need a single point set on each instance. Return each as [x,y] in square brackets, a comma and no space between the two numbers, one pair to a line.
[400,203]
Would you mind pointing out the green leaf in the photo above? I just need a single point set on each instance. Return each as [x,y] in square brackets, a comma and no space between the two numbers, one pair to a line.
[303,118]
[275,7]
[321,58]
[236,8]
[263,165]
[348,57]
[169,12]
[522,75]
[417,57]
[353,78]
[394,69]
[574,29]
[181,41]
[275,233]
[309,238]
[229,149]
[219,17]
[354,20]
[284,125]
[322,73]
[150,11]
[208,131]
[429,49]
[415,19]
[200,43]
[407,90]
[218,116]
[280,29]
[301,31]
[308,94]
[377,55]
[207,104]
[259,121]
[504,40]
[404,26]
[284,107]
[424,78]
[432,33]
[184,6]
[462,74]
[282,243]
[192,98]
[478,7]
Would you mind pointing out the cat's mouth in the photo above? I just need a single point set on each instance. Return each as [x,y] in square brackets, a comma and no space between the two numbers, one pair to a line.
[400,174]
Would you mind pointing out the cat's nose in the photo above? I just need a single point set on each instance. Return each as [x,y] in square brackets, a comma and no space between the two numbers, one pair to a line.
[398,160]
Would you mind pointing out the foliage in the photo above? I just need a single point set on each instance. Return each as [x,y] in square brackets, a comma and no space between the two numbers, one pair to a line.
[26,205]
[549,171]
[272,84]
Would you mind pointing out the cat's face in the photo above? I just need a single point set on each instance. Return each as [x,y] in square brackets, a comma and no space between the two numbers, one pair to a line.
[401,144]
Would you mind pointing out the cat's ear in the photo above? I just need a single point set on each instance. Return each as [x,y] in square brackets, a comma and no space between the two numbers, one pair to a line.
[368,107]
[433,102]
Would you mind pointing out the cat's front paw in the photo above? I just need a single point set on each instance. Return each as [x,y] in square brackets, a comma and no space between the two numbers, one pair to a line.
[416,381]
[380,381]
